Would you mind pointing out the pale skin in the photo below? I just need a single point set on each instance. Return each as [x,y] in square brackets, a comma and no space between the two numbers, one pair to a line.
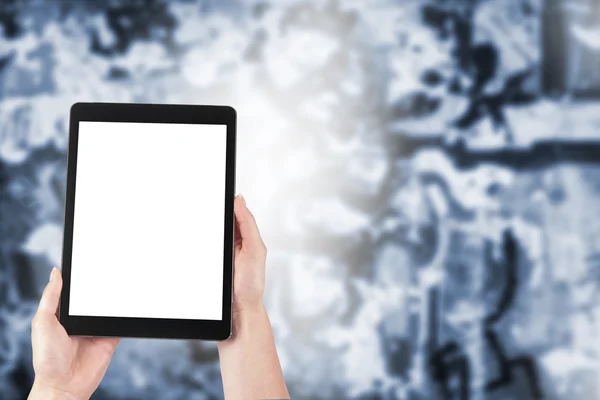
[71,368]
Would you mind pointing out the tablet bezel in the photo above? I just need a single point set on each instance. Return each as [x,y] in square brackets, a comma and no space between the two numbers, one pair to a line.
[149,327]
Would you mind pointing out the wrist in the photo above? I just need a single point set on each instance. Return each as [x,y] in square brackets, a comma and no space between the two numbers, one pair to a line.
[246,321]
[41,391]
[249,363]
[246,312]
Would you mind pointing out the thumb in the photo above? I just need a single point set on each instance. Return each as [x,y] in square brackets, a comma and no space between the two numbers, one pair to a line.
[248,230]
[51,296]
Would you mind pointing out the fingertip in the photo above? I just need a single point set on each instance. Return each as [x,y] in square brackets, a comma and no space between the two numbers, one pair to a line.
[51,295]
[239,207]
[55,277]
[239,201]
[248,228]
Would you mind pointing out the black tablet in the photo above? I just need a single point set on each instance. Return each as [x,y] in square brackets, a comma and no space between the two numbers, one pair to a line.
[148,238]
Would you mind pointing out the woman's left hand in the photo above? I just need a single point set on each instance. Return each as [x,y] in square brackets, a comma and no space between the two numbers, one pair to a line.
[65,367]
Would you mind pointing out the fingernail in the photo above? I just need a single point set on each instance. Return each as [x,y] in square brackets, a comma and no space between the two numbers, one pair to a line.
[242,199]
[52,274]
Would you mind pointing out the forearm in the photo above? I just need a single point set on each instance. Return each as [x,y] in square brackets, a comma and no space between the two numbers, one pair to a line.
[250,366]
[44,392]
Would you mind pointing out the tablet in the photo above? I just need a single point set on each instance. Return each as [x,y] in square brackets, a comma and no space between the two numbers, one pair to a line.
[148,238]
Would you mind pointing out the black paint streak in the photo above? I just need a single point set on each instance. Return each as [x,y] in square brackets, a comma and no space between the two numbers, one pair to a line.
[492,106]
[144,20]
[507,366]
[554,49]
[446,363]
[542,154]
[510,266]
[9,19]
[479,62]
[449,360]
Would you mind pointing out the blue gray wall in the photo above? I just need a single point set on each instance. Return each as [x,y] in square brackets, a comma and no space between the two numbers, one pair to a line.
[425,174]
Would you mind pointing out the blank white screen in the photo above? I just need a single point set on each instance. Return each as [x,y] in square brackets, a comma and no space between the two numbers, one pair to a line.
[149,221]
